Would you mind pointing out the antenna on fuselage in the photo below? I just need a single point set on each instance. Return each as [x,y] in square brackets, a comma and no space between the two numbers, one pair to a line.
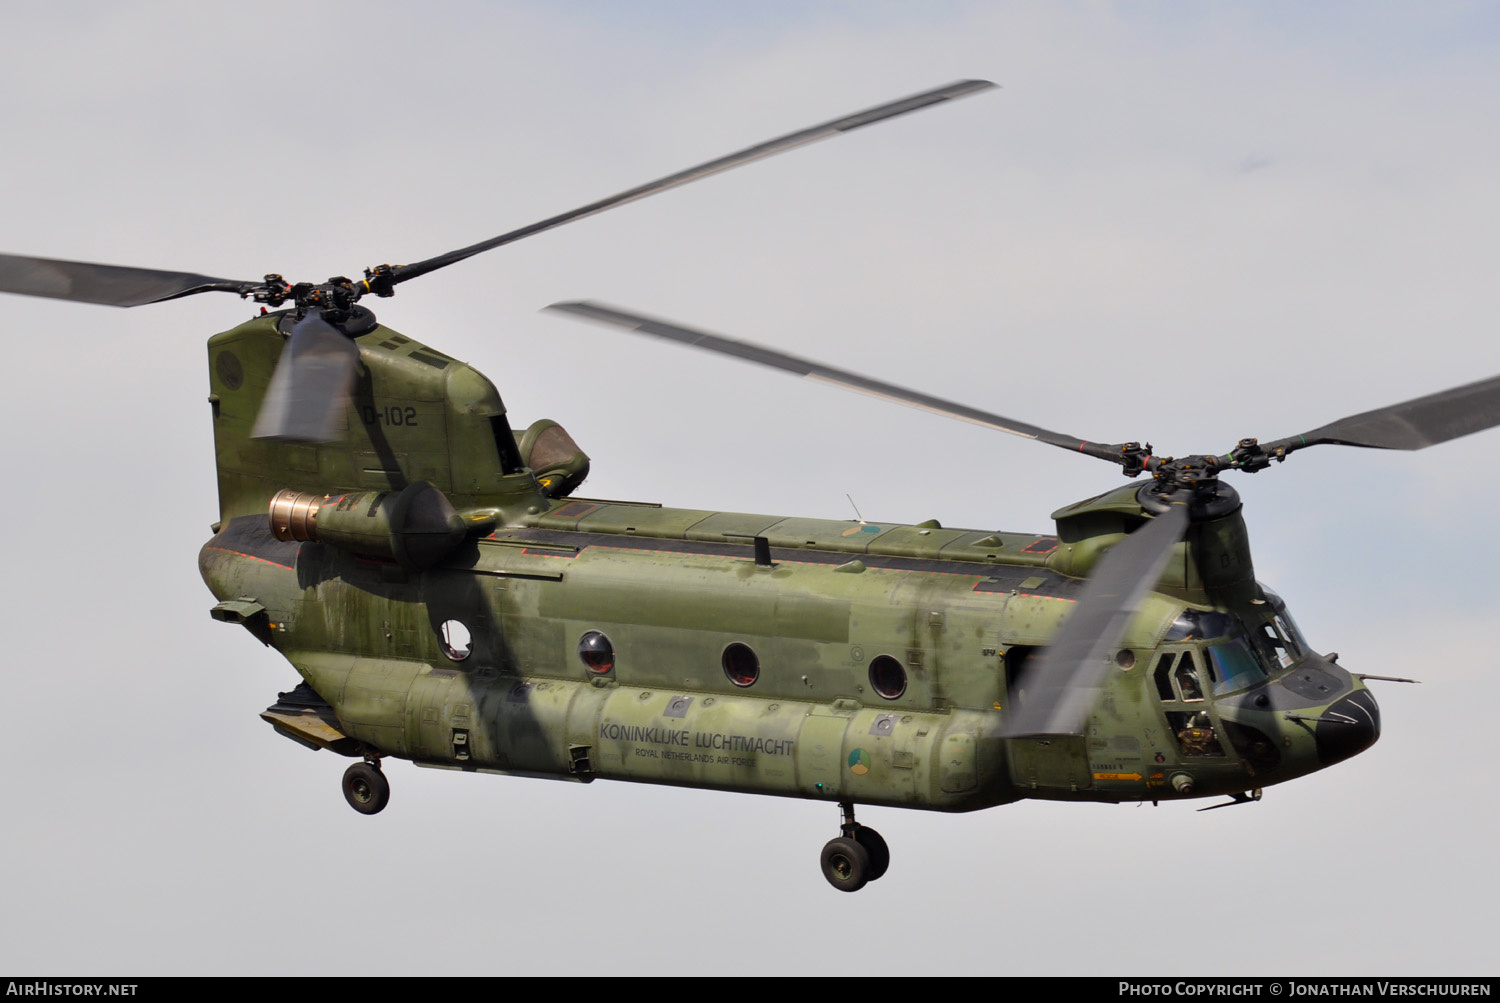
[858,518]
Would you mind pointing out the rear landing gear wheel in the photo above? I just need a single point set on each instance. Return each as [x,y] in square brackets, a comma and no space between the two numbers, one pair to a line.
[846,864]
[366,788]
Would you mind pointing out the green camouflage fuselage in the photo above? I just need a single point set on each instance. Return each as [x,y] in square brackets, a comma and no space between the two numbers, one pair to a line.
[884,656]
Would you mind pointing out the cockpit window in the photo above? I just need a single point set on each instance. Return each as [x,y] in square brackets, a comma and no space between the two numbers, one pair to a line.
[1164,678]
[1233,665]
[1285,625]
[1268,645]
[1187,680]
[1239,653]
[1276,647]
[1289,631]
[1198,625]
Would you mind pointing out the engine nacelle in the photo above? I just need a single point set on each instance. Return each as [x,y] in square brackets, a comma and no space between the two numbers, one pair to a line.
[416,526]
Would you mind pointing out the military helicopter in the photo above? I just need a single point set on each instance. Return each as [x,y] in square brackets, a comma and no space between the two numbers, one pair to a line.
[448,598]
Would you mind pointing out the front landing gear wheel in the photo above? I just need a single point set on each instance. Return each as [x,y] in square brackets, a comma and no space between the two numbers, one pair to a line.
[874,844]
[846,864]
[366,788]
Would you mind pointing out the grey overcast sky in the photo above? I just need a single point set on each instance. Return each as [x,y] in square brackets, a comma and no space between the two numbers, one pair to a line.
[1181,223]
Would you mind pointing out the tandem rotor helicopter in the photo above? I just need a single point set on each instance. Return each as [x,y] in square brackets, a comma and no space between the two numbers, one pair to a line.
[448,598]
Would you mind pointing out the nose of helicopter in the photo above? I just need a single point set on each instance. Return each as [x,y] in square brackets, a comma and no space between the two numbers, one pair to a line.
[1348,727]
[1314,716]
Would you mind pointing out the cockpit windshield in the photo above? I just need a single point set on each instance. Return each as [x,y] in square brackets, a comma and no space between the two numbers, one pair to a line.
[1239,655]
[1233,665]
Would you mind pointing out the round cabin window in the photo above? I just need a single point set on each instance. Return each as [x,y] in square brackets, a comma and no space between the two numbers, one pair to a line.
[596,653]
[887,677]
[456,640]
[741,665]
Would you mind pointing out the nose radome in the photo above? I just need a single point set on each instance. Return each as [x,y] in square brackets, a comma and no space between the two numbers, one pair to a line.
[1349,727]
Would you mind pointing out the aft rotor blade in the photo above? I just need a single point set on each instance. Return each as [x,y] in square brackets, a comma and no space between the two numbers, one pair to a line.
[1414,424]
[816,371]
[791,141]
[310,387]
[1060,689]
[109,285]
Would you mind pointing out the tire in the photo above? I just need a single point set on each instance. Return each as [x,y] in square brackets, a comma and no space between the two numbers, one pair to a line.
[874,844]
[846,864]
[366,788]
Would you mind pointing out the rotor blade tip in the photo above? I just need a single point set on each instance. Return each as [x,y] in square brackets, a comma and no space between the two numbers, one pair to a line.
[587,309]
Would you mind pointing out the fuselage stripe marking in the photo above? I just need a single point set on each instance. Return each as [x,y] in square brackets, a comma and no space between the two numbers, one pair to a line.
[241,553]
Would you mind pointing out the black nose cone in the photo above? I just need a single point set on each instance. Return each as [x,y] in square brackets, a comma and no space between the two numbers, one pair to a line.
[1349,727]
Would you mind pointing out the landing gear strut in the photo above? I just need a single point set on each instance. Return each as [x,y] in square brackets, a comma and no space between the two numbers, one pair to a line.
[366,788]
[857,856]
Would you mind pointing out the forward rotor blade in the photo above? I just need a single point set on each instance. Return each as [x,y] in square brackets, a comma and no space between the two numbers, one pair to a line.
[815,371]
[311,384]
[1414,424]
[788,142]
[1061,688]
[109,285]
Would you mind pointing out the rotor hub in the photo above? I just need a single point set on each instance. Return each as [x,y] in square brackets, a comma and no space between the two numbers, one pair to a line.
[1211,498]
[357,321]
